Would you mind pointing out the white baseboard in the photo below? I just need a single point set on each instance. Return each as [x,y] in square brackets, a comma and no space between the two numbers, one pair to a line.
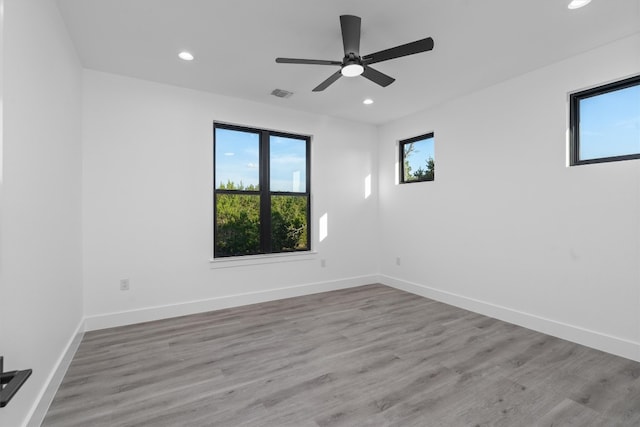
[610,344]
[40,408]
[110,320]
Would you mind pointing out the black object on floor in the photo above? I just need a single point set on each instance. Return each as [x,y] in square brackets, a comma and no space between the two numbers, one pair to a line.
[10,383]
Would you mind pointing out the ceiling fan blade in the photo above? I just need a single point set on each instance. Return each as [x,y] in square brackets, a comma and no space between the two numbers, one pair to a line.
[350,34]
[377,77]
[325,84]
[306,61]
[399,51]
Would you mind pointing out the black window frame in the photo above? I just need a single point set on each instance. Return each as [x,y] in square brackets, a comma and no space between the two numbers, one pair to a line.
[264,188]
[574,120]
[401,145]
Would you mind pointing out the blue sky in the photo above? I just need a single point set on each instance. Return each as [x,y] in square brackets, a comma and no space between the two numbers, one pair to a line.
[610,124]
[288,164]
[237,160]
[237,157]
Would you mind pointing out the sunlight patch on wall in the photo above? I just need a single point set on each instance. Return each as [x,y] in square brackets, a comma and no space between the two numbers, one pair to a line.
[367,186]
[323,227]
[396,178]
[567,147]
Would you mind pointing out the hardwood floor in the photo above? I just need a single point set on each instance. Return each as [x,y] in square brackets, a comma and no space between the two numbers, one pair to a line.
[367,356]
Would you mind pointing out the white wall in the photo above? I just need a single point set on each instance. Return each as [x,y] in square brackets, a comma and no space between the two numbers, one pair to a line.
[509,230]
[147,202]
[106,177]
[40,243]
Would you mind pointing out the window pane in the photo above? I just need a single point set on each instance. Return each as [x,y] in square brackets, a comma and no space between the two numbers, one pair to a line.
[610,124]
[260,211]
[237,159]
[288,164]
[289,221]
[237,224]
[418,160]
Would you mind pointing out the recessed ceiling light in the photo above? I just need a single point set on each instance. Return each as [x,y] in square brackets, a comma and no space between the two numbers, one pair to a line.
[576,4]
[186,56]
[368,101]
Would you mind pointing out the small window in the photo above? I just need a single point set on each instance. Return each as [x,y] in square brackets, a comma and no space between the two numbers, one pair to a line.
[605,123]
[261,196]
[417,159]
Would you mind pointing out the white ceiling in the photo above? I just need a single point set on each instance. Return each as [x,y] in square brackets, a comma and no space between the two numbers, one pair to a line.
[477,43]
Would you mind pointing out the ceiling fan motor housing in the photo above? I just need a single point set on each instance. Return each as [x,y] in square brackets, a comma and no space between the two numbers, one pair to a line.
[351,65]
[351,58]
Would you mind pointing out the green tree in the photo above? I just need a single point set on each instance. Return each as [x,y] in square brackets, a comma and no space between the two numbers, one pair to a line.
[431,169]
[408,150]
[288,223]
[238,224]
[238,221]
[426,174]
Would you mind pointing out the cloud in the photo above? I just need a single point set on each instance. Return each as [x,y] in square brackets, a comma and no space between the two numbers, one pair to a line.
[631,123]
[252,166]
[288,159]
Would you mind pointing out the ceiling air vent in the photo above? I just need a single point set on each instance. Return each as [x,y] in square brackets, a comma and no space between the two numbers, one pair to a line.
[281,93]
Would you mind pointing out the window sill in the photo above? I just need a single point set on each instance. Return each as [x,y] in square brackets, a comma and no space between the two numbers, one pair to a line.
[242,261]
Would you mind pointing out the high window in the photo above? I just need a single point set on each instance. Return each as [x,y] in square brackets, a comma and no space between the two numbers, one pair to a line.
[262,191]
[605,123]
[417,159]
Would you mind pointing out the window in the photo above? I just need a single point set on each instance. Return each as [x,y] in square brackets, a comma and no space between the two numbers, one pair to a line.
[605,123]
[417,159]
[261,196]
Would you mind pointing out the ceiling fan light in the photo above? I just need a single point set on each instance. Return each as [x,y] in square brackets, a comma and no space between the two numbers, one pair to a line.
[352,70]
[576,4]
[185,56]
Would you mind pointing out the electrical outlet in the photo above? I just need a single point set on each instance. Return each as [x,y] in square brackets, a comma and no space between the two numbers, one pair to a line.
[397,260]
[124,284]
[323,263]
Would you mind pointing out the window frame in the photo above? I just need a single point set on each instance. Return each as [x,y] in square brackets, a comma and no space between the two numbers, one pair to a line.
[574,120]
[401,145]
[264,191]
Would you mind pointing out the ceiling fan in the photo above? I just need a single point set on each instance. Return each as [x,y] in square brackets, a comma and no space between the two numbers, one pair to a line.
[353,64]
